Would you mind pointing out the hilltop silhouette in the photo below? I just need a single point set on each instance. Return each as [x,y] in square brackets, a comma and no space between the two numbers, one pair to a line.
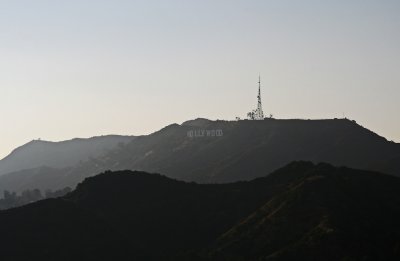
[244,150]
[300,212]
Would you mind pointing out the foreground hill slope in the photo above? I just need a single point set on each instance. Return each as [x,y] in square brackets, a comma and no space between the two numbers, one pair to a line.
[63,154]
[302,211]
[328,214]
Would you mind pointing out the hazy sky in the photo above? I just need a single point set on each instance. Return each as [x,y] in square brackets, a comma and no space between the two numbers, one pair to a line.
[81,68]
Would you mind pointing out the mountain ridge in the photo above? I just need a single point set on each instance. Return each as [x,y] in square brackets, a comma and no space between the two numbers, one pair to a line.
[244,150]
[39,153]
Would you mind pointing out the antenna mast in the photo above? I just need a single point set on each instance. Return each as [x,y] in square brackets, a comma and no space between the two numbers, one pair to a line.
[258,113]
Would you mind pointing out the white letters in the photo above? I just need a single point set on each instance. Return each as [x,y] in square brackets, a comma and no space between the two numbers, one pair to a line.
[205,133]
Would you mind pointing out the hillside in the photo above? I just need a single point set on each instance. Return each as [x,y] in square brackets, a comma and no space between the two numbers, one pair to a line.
[249,149]
[328,214]
[63,154]
[242,150]
[302,211]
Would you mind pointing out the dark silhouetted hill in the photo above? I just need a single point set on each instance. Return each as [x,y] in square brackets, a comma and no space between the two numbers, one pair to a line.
[300,212]
[327,214]
[244,150]
[249,149]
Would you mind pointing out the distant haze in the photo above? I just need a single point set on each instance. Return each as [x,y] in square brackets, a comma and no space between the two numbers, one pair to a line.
[91,67]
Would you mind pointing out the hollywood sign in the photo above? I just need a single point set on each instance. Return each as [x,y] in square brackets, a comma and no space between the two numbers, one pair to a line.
[205,133]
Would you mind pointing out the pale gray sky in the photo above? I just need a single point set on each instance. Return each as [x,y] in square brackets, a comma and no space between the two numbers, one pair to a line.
[82,68]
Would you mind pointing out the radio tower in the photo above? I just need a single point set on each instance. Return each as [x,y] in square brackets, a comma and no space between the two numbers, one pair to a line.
[257,114]
[260,113]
